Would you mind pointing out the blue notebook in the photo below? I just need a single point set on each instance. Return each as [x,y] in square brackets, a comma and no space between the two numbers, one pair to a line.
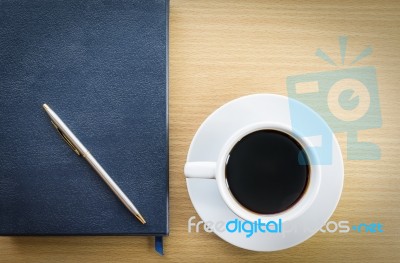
[102,67]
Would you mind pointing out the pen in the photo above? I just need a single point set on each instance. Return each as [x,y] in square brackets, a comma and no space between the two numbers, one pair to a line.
[81,150]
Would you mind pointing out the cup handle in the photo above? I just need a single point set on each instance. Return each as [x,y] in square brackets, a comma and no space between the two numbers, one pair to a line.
[205,170]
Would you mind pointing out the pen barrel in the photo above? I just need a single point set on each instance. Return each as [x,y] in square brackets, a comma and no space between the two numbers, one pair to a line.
[110,182]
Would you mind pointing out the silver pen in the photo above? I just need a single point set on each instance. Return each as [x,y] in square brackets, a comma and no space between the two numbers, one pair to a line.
[81,150]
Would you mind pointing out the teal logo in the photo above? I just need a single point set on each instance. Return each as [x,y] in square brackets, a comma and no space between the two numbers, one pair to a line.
[346,98]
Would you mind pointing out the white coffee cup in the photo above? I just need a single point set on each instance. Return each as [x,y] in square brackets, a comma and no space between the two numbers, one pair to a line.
[216,171]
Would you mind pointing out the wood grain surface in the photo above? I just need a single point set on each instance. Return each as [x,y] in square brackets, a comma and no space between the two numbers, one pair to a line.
[221,50]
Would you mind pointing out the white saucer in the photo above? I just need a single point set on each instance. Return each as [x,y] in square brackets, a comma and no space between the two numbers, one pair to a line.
[206,145]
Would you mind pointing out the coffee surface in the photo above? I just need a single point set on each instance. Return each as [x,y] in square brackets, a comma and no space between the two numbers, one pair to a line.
[264,173]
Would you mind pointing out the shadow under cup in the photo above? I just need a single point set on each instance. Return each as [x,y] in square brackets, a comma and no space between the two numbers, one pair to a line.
[267,171]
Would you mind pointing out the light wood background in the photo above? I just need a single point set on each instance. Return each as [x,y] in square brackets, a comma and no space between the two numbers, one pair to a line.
[221,50]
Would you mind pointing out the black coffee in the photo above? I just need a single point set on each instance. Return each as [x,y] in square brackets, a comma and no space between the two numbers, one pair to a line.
[264,174]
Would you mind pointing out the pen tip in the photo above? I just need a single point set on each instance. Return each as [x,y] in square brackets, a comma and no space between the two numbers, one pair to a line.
[45,106]
[141,219]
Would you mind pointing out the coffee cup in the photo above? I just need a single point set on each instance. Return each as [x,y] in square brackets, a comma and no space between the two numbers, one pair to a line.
[264,171]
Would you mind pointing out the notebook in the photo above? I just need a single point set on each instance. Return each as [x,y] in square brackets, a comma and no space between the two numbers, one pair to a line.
[102,67]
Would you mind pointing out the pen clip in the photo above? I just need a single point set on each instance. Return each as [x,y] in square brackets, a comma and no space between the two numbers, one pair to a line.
[66,139]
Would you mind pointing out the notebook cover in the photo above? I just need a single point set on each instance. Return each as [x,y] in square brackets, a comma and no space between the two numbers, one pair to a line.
[102,67]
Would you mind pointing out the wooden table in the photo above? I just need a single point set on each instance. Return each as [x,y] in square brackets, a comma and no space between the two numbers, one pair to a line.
[221,50]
